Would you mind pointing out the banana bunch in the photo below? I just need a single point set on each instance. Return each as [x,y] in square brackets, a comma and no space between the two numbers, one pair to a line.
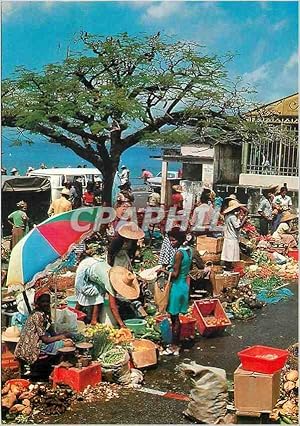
[239,309]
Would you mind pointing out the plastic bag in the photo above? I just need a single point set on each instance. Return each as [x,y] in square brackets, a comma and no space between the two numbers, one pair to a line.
[209,394]
[66,321]
[161,295]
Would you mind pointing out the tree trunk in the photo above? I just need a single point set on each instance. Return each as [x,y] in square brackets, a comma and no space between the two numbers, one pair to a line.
[108,174]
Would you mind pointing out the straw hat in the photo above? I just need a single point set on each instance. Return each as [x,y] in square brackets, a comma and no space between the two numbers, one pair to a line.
[233,204]
[124,282]
[288,216]
[231,197]
[65,191]
[11,334]
[131,231]
[177,188]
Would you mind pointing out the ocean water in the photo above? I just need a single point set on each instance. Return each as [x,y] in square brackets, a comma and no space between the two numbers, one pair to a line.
[41,151]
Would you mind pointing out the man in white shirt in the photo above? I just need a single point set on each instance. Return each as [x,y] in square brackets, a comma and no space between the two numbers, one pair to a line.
[282,203]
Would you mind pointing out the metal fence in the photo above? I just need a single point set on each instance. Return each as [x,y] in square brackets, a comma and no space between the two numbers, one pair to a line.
[273,158]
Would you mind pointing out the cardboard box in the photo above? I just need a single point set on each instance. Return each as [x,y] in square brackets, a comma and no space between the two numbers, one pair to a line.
[210,244]
[255,392]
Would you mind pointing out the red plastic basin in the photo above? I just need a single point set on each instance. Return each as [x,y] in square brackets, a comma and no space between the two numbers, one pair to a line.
[263,359]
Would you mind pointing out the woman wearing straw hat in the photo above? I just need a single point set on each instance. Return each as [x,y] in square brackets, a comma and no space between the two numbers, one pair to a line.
[123,247]
[285,230]
[19,222]
[95,279]
[231,249]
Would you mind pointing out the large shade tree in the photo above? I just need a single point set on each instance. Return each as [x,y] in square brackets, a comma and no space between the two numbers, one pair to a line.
[118,91]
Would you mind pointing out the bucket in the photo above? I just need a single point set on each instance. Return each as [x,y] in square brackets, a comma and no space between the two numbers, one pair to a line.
[71,301]
[136,325]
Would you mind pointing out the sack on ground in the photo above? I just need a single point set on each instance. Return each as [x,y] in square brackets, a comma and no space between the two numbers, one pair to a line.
[209,394]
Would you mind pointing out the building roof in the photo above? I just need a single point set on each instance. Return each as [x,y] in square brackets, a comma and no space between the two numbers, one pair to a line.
[285,107]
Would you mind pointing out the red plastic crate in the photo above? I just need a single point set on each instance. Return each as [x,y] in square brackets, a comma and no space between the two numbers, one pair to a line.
[208,308]
[188,325]
[80,315]
[77,378]
[253,359]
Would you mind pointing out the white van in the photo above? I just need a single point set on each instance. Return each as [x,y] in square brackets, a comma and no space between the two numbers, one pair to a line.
[59,176]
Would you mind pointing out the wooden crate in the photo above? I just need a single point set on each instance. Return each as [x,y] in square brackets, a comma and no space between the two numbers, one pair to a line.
[210,244]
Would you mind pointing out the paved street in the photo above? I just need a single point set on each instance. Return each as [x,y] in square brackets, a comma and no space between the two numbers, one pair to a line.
[275,325]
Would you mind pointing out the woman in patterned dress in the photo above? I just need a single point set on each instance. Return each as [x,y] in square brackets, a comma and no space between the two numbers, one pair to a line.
[38,335]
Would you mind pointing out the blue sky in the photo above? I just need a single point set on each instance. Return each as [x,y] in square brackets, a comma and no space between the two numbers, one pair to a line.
[263,34]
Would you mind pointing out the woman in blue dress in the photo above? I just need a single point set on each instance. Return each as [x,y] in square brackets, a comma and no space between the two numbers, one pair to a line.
[179,293]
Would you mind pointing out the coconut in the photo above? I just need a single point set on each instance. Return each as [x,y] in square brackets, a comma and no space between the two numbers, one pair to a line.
[288,386]
[292,375]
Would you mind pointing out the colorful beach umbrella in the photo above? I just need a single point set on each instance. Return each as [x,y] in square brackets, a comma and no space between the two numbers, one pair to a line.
[47,242]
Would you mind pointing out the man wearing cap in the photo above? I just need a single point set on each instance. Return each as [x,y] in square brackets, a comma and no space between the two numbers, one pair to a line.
[19,222]
[95,279]
[62,204]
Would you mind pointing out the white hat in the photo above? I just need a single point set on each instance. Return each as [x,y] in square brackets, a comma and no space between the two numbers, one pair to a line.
[13,170]
[233,205]
[123,167]
[11,334]
[65,191]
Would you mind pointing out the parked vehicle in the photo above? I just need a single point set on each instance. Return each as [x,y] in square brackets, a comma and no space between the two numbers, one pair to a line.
[155,182]
[59,176]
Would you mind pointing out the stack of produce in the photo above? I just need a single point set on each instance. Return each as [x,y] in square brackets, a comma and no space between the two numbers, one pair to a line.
[16,399]
[240,301]
[286,409]
[103,391]
[150,332]
[288,271]
[22,403]
[148,259]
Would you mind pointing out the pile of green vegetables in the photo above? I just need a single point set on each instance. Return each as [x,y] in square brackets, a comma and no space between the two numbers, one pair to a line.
[151,331]
[269,285]
[260,257]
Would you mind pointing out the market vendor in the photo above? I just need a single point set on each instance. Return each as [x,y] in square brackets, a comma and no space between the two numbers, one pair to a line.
[123,247]
[285,232]
[265,211]
[281,203]
[95,279]
[235,217]
[179,293]
[18,219]
[38,336]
